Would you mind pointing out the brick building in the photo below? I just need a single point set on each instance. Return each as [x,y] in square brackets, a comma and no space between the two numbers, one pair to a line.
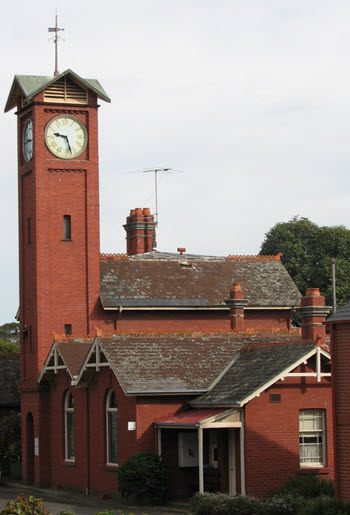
[191,357]
[339,325]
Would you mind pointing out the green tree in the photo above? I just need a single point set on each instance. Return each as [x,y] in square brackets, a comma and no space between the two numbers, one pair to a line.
[9,337]
[308,250]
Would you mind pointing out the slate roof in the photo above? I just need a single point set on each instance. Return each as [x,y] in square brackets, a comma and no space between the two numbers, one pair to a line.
[254,367]
[342,315]
[187,364]
[159,279]
[9,379]
[27,86]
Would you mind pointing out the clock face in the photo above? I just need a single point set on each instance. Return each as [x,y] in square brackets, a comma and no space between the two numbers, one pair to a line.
[28,140]
[66,136]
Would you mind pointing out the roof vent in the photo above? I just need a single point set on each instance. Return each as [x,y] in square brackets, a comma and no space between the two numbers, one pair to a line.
[66,90]
[186,264]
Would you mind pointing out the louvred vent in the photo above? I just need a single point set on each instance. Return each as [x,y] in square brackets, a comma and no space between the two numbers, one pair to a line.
[66,90]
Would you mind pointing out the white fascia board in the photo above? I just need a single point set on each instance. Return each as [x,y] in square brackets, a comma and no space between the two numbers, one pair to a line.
[282,375]
[49,356]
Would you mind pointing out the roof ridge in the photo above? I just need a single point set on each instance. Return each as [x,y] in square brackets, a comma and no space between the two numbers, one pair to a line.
[270,344]
[115,256]
[253,257]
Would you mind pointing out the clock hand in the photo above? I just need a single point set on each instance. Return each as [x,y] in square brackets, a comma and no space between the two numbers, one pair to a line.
[67,141]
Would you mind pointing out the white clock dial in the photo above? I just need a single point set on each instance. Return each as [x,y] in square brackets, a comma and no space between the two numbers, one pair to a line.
[66,136]
[28,140]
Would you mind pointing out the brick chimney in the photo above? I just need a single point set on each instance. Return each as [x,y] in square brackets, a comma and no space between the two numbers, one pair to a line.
[236,303]
[313,312]
[140,231]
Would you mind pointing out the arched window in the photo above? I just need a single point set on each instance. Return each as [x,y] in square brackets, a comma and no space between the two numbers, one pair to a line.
[111,427]
[69,427]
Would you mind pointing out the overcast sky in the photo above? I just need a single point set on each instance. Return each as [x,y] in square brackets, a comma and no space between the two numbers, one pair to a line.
[249,98]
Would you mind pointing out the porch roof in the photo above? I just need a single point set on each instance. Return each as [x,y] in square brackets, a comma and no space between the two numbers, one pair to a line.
[188,419]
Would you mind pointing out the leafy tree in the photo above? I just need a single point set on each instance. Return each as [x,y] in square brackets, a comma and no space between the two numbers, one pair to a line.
[9,337]
[308,250]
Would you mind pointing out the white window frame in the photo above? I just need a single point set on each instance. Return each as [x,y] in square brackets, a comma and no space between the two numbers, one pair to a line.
[111,411]
[68,410]
[318,433]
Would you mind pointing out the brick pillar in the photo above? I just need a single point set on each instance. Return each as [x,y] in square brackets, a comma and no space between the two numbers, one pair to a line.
[313,312]
[236,303]
[140,231]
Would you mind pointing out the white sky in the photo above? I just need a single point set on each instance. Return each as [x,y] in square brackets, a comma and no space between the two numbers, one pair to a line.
[250,98]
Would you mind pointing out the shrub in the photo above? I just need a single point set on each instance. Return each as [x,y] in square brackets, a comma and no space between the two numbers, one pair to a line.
[222,504]
[107,512]
[325,506]
[144,476]
[308,485]
[10,436]
[23,505]
[283,504]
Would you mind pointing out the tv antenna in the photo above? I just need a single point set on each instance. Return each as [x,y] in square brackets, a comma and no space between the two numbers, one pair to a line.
[156,171]
[56,38]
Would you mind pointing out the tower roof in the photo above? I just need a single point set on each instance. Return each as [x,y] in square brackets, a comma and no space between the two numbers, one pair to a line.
[27,86]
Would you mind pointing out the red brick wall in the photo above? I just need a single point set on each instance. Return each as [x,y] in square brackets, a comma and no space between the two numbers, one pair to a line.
[260,320]
[340,347]
[272,434]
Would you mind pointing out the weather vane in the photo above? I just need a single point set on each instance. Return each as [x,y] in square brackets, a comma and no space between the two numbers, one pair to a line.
[56,30]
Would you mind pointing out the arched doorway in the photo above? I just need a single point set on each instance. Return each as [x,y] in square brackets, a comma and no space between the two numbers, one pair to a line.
[29,458]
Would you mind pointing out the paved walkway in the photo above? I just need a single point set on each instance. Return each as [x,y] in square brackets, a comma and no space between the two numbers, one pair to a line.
[57,501]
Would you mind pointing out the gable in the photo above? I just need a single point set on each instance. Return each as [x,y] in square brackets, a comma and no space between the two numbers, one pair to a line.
[65,87]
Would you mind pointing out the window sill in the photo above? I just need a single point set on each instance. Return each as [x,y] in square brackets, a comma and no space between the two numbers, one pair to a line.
[66,239]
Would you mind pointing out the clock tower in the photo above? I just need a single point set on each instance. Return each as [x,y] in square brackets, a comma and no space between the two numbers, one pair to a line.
[58,233]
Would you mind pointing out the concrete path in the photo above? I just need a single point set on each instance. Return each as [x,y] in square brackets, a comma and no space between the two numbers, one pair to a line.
[57,501]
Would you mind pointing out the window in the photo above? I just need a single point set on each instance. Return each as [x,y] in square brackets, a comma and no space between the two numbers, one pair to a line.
[312,438]
[67,227]
[111,427]
[67,329]
[69,427]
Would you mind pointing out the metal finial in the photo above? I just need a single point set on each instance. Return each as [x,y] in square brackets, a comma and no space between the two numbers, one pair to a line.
[55,29]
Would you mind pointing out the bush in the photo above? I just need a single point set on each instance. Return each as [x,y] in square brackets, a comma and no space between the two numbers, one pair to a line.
[23,505]
[325,506]
[222,504]
[283,504]
[309,486]
[10,436]
[144,476]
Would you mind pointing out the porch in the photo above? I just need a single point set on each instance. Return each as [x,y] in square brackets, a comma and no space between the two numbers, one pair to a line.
[203,451]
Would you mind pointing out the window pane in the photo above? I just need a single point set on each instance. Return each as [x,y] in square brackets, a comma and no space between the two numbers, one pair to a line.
[70,436]
[311,441]
[112,436]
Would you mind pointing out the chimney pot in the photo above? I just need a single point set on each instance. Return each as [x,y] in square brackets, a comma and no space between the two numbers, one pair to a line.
[312,292]
[146,211]
[138,211]
[181,250]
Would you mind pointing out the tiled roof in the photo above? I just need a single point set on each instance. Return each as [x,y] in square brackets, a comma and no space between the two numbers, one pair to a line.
[73,353]
[158,279]
[9,379]
[342,315]
[175,363]
[254,367]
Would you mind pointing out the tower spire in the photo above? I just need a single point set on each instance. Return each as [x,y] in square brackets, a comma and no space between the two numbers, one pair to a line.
[55,29]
